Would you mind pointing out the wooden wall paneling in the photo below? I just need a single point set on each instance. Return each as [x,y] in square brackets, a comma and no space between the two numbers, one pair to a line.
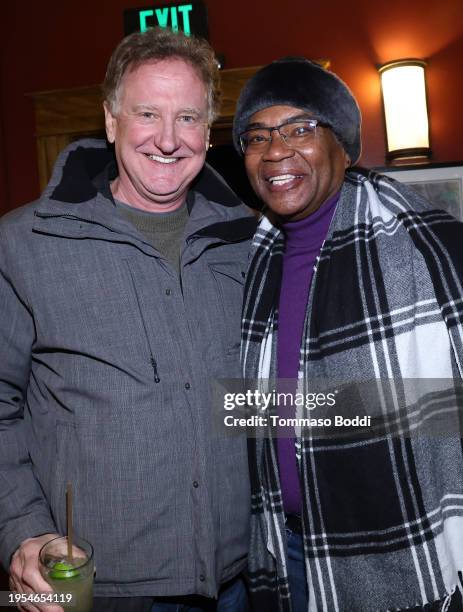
[62,116]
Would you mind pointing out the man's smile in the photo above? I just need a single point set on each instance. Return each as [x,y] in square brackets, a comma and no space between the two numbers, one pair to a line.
[162,160]
[283,181]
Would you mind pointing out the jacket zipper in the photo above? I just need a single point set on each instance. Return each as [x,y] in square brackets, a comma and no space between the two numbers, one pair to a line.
[154,365]
[152,360]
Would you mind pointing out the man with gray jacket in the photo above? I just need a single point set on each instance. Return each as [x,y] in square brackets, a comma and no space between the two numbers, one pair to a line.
[120,298]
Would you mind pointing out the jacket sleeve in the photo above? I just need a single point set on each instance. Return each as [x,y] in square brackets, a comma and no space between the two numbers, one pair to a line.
[24,512]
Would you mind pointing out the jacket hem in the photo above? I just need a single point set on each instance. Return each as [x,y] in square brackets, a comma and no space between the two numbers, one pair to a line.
[164,588]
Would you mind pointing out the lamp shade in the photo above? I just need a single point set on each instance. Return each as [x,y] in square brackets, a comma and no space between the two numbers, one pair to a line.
[405,109]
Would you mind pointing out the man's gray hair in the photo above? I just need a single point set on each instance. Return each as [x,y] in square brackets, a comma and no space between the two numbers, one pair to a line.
[161,44]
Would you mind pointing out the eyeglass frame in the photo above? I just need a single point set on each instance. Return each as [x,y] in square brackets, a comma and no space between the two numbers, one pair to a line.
[271,129]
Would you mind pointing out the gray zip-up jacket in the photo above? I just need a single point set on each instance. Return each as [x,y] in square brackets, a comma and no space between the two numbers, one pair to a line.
[105,371]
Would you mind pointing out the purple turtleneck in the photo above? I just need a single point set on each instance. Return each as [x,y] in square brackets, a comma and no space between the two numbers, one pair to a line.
[303,242]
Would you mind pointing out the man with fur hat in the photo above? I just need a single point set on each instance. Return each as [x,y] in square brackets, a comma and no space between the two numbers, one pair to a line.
[354,278]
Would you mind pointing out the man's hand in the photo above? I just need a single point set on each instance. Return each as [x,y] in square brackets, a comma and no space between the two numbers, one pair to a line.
[25,576]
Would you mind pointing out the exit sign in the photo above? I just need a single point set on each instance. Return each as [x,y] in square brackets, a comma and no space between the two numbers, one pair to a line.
[187,17]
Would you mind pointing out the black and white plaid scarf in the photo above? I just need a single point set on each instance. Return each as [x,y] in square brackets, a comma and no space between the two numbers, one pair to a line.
[382,516]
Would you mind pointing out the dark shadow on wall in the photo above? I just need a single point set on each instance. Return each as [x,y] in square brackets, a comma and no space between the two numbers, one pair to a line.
[230,165]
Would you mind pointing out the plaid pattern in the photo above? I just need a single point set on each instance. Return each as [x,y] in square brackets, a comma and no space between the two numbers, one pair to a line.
[382,515]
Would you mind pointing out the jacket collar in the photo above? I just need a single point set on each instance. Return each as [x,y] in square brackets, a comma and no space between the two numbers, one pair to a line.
[79,190]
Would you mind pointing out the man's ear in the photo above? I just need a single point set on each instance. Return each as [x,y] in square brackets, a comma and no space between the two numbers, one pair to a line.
[110,123]
[347,161]
[208,137]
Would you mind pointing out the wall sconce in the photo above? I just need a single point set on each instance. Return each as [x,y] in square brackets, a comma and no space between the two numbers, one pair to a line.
[405,110]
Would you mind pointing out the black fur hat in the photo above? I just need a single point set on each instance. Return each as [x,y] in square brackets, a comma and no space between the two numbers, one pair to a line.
[295,81]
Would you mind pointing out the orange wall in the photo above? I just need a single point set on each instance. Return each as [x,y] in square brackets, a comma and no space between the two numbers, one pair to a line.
[53,44]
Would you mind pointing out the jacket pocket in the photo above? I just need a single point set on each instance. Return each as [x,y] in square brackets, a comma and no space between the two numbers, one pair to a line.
[229,278]
[144,327]
[127,480]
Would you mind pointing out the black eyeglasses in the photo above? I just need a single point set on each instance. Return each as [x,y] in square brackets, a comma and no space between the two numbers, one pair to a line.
[294,132]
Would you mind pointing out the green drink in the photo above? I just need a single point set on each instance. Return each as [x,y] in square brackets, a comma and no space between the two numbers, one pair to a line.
[69,575]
